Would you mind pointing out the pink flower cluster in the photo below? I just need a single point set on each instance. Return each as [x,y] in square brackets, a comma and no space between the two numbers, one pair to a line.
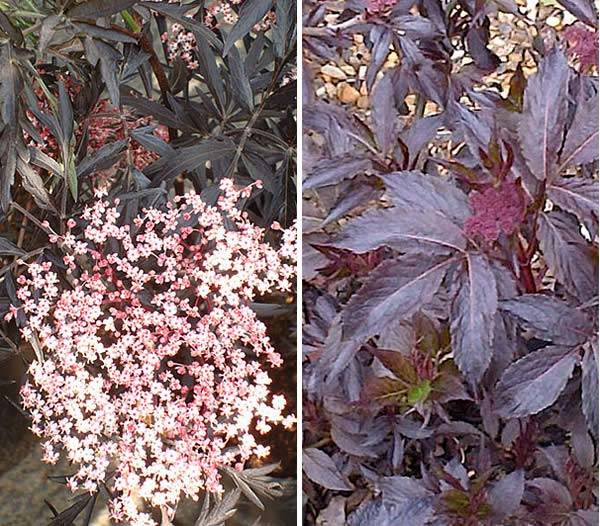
[181,43]
[105,124]
[224,8]
[108,124]
[152,370]
[377,6]
[582,45]
[496,210]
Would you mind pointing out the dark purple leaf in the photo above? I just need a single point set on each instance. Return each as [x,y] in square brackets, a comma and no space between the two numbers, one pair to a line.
[211,72]
[368,513]
[571,259]
[578,196]
[10,30]
[534,382]
[402,490]
[68,516]
[34,184]
[334,170]
[251,12]
[177,13]
[398,452]
[416,26]
[581,442]
[394,291]
[47,31]
[101,32]
[338,352]
[101,159]
[477,39]
[506,494]
[456,469]
[8,248]
[419,134]
[109,57]
[412,428]
[416,512]
[402,231]
[356,195]
[157,111]
[552,492]
[549,318]
[422,74]
[94,9]
[352,443]
[193,157]
[544,115]
[383,112]
[222,511]
[426,193]
[589,387]
[10,87]
[381,38]
[475,128]
[473,315]
[284,28]
[449,386]
[239,79]
[151,142]
[320,468]
[65,113]
[581,143]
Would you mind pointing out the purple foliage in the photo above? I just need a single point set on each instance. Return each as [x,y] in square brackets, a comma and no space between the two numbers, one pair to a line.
[450,354]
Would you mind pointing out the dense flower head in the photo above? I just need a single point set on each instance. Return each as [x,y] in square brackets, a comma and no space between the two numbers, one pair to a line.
[496,210]
[153,372]
[105,124]
[108,124]
[377,6]
[582,45]
[224,9]
[181,43]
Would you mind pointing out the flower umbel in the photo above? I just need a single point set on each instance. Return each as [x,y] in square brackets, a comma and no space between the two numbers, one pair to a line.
[181,43]
[153,372]
[496,210]
[582,45]
[378,6]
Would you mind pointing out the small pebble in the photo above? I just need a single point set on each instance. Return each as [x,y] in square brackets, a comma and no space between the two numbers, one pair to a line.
[553,21]
[348,94]
[330,89]
[363,102]
[334,72]
[348,70]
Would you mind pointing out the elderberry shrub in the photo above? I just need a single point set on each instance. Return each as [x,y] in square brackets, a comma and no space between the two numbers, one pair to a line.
[147,196]
[450,263]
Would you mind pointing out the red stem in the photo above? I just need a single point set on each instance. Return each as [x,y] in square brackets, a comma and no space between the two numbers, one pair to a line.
[526,274]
